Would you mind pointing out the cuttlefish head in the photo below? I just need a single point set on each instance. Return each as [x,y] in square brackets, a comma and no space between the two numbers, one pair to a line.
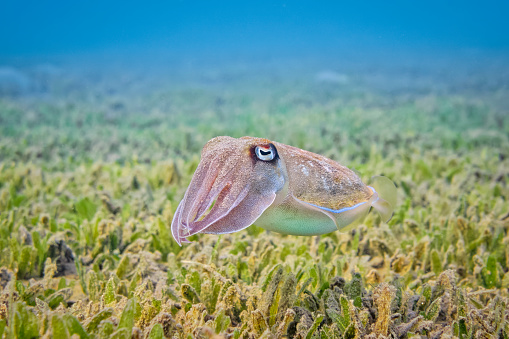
[235,182]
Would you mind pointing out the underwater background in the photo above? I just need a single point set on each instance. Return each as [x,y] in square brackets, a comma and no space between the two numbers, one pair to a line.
[104,109]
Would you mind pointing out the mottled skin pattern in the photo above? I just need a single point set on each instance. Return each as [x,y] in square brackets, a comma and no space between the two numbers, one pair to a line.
[296,192]
[318,180]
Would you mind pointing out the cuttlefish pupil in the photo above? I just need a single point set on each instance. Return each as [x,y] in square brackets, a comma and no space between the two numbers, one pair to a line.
[245,181]
[266,153]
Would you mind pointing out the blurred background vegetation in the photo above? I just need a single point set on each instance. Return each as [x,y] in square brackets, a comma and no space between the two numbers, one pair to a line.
[105,106]
[93,168]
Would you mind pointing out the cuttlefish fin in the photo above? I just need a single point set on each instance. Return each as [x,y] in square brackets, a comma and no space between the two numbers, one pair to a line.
[382,200]
[387,195]
[342,217]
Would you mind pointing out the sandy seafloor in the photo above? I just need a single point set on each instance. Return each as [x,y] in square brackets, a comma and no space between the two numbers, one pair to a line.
[96,155]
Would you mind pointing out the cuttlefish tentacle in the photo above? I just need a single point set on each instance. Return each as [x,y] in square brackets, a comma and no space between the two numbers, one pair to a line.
[223,203]
[200,186]
[228,191]
[243,215]
[278,187]
[176,225]
[220,180]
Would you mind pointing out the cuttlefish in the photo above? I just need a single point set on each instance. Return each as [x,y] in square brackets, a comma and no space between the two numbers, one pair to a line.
[245,181]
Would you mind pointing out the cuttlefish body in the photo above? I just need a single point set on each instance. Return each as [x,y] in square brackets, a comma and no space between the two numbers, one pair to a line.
[275,186]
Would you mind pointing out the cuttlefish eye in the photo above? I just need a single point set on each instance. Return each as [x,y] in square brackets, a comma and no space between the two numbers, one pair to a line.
[266,153]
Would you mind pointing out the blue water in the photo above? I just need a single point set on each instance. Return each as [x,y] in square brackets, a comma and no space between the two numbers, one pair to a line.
[264,28]
[55,47]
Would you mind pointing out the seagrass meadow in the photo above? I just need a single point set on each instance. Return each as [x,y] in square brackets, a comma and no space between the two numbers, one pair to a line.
[93,167]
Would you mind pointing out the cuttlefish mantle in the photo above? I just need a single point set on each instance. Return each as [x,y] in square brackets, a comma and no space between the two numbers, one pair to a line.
[245,181]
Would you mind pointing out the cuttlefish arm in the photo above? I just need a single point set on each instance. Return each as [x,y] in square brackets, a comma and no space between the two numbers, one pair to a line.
[279,187]
[230,188]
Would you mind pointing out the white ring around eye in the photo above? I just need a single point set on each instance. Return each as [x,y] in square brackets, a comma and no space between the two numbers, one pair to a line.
[264,154]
